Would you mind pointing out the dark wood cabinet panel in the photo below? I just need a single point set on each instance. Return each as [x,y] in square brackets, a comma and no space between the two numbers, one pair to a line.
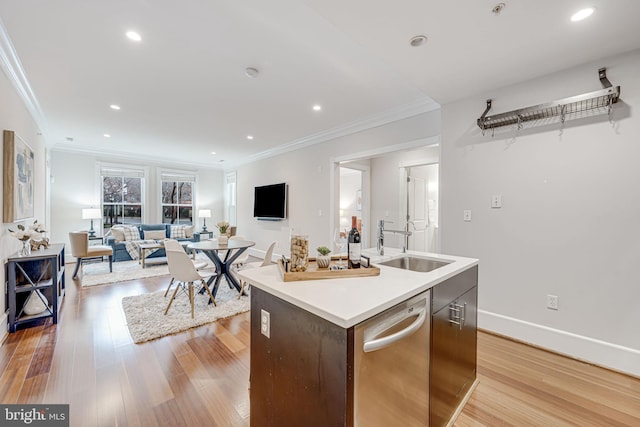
[302,374]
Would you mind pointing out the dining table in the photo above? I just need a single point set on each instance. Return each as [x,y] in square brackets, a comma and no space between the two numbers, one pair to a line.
[232,250]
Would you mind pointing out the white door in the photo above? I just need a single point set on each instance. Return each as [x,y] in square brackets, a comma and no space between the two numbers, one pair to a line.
[422,199]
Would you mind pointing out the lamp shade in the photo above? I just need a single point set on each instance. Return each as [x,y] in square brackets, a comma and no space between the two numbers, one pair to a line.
[91,213]
[204,213]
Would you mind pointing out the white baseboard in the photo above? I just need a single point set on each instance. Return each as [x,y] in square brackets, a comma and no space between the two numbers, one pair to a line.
[602,353]
[5,331]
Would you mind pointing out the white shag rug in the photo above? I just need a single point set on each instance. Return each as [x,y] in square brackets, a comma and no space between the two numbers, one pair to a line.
[146,319]
[97,273]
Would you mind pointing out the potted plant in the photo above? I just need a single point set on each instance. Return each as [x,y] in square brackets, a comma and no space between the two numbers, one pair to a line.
[323,259]
[223,227]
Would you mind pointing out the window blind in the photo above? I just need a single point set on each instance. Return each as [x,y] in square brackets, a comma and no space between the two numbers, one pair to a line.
[177,177]
[127,173]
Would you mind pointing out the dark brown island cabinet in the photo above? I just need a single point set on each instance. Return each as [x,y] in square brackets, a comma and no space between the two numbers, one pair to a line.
[303,373]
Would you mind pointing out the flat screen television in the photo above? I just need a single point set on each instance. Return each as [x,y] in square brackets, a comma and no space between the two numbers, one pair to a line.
[270,202]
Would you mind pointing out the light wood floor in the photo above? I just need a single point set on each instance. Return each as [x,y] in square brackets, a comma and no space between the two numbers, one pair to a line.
[200,377]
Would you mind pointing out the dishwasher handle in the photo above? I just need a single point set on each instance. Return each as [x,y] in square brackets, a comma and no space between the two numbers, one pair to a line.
[381,343]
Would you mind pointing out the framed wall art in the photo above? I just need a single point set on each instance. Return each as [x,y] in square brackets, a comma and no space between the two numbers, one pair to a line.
[18,183]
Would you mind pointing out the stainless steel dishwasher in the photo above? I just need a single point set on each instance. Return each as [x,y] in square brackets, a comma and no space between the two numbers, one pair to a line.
[391,371]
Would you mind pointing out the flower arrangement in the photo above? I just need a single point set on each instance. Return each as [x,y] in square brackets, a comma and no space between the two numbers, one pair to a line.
[34,231]
[222,227]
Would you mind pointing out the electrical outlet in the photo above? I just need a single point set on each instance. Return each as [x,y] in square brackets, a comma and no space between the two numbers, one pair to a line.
[467,215]
[496,201]
[552,302]
[265,323]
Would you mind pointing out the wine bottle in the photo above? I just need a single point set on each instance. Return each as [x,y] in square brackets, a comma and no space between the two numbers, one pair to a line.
[353,245]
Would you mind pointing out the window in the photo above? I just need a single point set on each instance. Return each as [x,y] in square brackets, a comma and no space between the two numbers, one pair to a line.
[230,197]
[177,198]
[121,196]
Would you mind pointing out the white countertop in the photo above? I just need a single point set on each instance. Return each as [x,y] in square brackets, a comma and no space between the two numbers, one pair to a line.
[348,301]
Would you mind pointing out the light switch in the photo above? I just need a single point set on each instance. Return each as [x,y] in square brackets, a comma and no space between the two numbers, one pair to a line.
[496,201]
[467,215]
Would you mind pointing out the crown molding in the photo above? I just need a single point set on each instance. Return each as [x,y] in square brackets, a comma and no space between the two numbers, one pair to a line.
[420,106]
[105,155]
[12,67]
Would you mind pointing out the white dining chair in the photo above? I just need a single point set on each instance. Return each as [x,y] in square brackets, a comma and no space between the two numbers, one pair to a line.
[174,245]
[242,259]
[265,262]
[184,272]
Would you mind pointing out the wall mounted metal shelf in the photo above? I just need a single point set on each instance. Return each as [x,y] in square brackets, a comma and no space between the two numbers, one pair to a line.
[585,105]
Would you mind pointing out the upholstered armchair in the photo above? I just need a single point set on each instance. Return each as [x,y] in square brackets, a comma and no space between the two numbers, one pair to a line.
[81,250]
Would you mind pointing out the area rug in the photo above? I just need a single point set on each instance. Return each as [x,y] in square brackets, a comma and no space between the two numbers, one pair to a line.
[146,319]
[93,274]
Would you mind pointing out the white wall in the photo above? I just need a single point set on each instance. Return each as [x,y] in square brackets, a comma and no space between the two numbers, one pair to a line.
[14,116]
[307,171]
[76,185]
[569,225]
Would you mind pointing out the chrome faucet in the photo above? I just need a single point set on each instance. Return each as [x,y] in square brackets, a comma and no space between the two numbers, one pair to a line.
[380,243]
[381,231]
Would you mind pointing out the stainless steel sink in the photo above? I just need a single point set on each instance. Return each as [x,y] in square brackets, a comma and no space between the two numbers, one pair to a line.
[422,265]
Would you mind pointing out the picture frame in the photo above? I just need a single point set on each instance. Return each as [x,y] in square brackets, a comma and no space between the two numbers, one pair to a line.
[18,185]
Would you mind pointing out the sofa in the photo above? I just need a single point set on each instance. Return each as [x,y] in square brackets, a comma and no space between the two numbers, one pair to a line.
[120,234]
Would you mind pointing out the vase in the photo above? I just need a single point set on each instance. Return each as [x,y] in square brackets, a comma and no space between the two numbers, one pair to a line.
[26,248]
[299,252]
[35,303]
[323,261]
[223,239]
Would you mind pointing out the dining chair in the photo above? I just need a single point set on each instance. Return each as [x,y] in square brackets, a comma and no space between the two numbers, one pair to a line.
[242,259]
[81,250]
[174,245]
[184,272]
[265,262]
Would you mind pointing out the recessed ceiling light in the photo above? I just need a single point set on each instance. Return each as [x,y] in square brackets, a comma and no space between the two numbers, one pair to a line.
[106,135]
[418,40]
[252,72]
[114,107]
[317,107]
[249,137]
[213,152]
[582,14]
[134,36]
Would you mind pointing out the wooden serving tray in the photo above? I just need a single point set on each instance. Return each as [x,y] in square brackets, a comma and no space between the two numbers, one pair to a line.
[315,273]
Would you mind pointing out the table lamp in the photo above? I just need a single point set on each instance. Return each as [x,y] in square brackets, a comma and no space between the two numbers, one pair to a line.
[91,213]
[204,213]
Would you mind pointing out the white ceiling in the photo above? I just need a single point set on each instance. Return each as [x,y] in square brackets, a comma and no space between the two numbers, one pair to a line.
[183,89]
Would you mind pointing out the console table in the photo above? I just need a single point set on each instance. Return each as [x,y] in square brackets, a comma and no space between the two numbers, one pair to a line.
[43,270]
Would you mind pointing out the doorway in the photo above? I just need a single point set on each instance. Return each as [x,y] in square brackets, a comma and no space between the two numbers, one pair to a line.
[420,187]
[354,195]
[382,198]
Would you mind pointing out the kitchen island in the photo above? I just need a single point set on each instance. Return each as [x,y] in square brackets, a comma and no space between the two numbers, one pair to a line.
[304,360]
